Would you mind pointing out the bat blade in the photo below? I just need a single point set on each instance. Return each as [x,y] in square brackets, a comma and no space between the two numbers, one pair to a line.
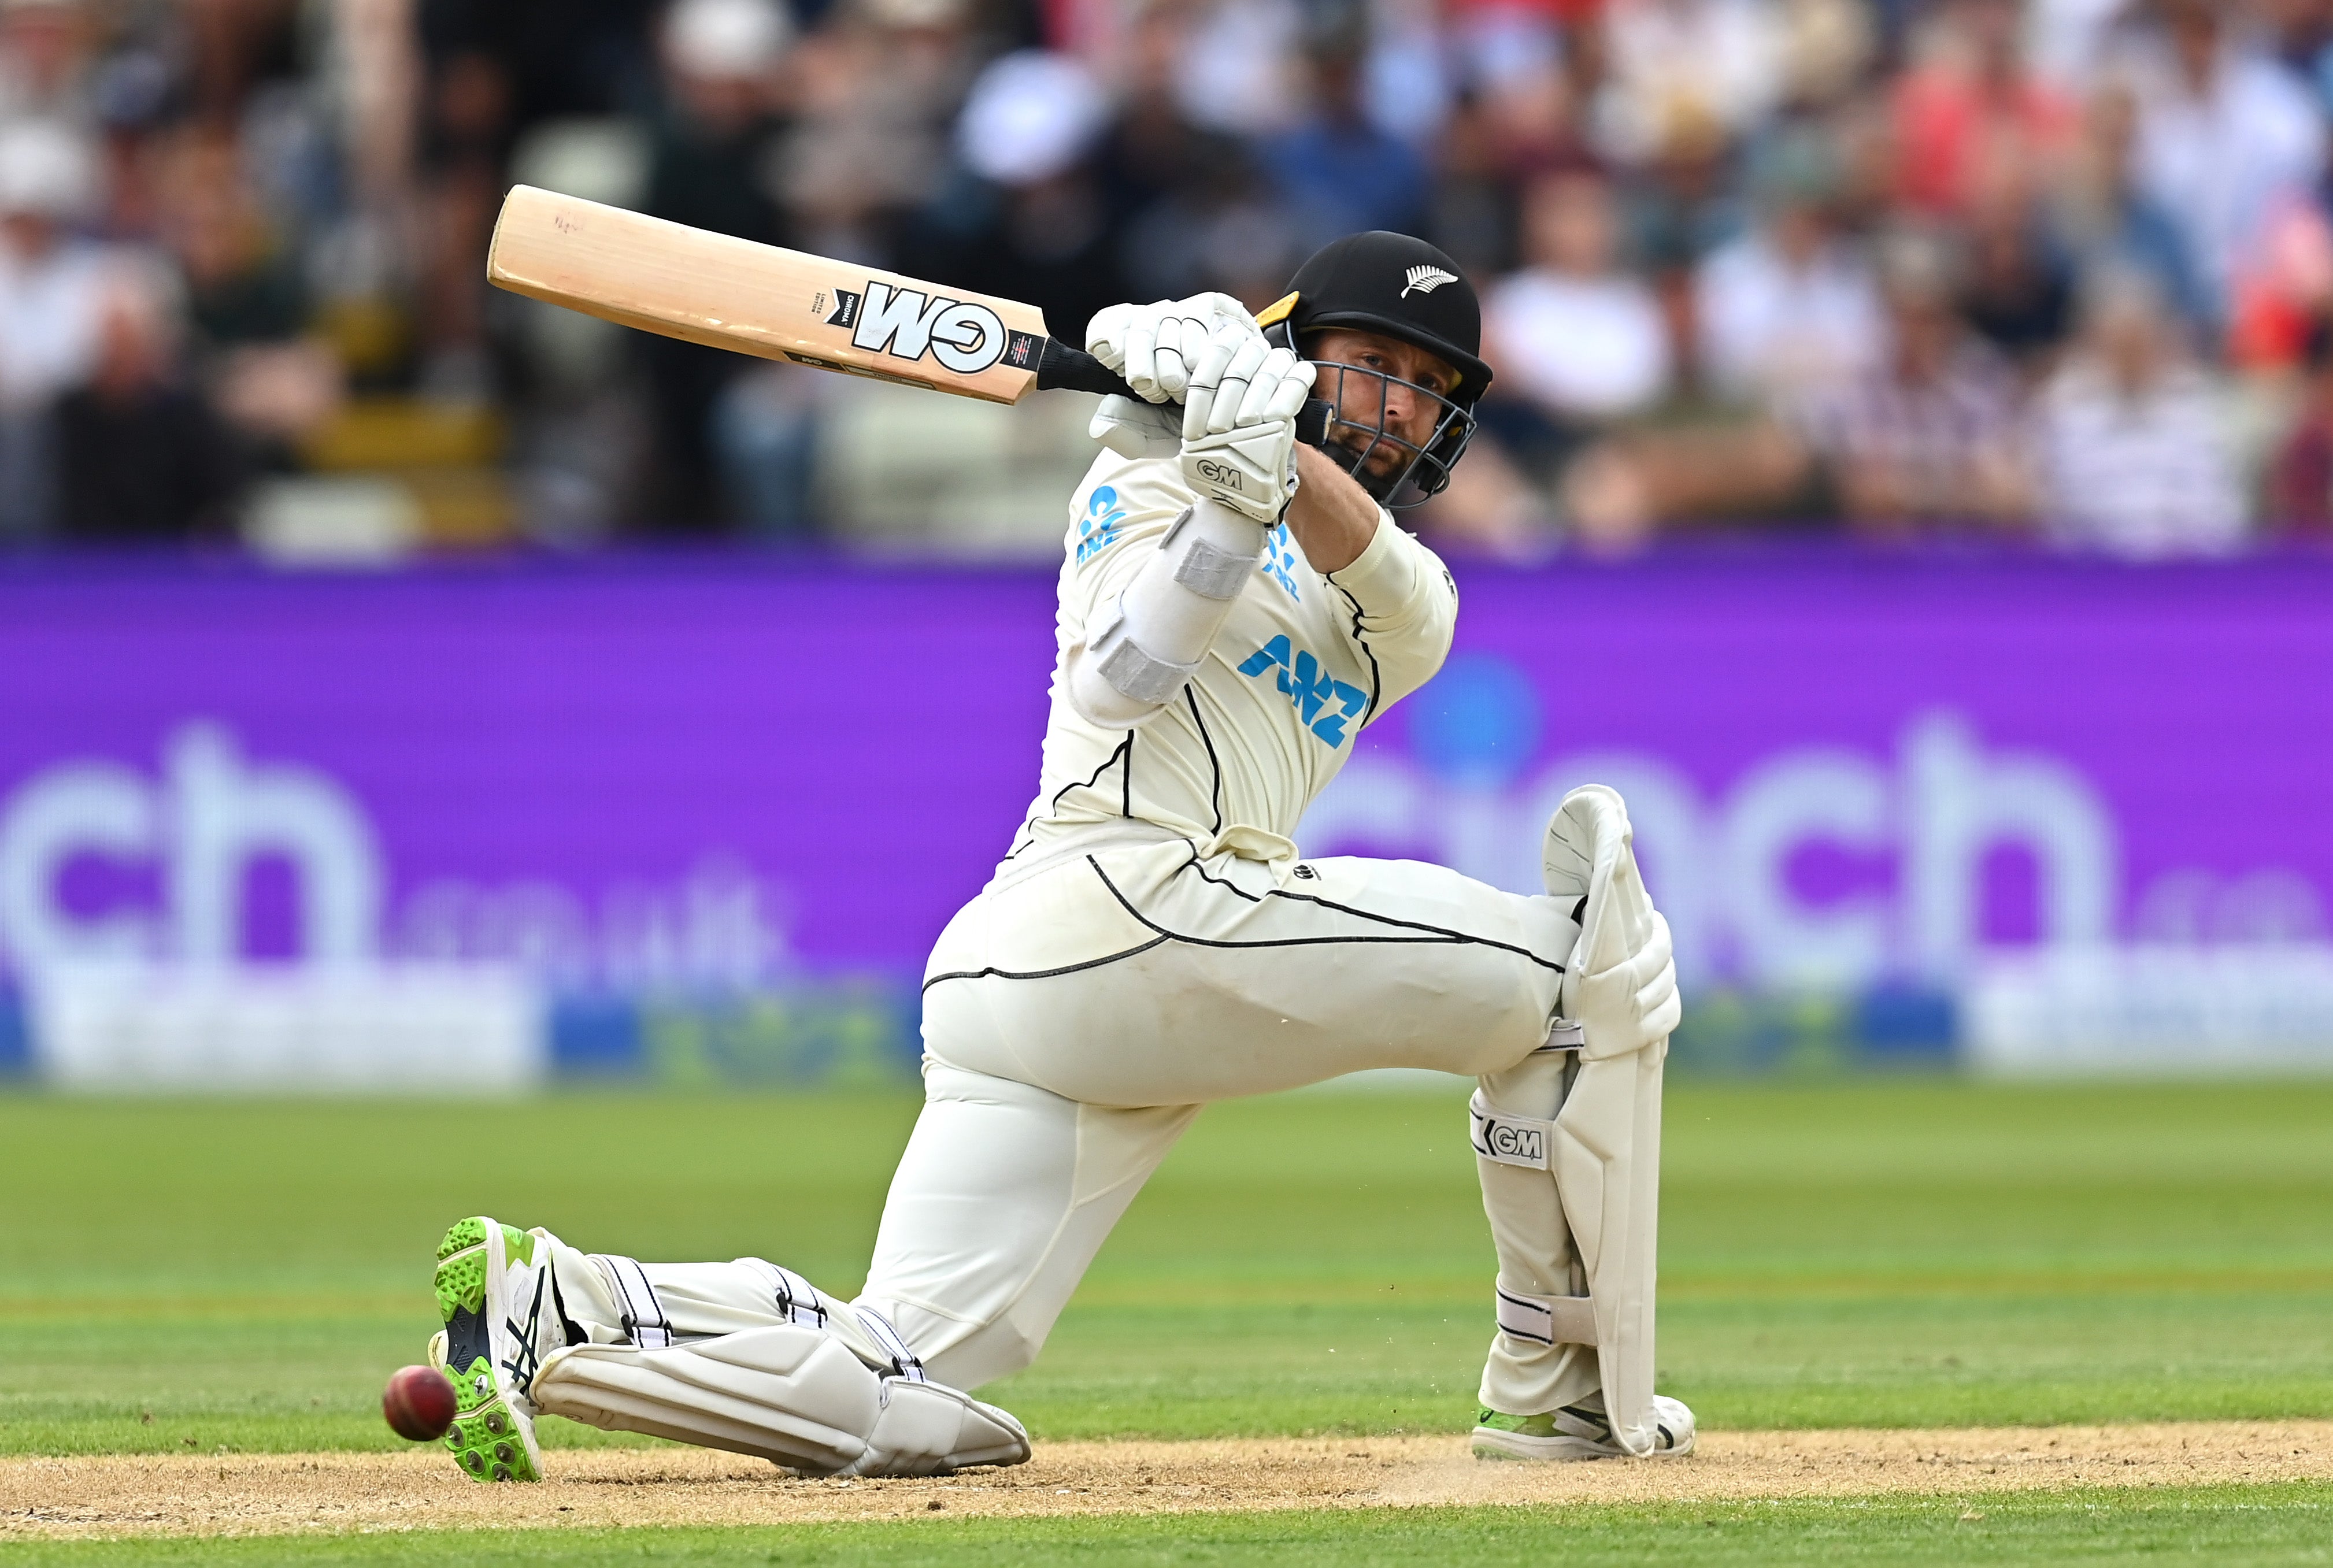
[780,304]
[730,293]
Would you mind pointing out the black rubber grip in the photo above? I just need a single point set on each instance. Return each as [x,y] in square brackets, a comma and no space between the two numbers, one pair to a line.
[1061,368]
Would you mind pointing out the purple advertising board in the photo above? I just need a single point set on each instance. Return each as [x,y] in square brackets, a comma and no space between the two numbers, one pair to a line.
[1847,771]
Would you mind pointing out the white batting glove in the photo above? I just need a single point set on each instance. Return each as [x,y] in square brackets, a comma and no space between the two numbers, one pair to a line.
[1239,422]
[1133,428]
[1155,347]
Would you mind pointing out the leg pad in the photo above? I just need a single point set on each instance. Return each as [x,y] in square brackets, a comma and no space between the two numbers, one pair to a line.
[795,1396]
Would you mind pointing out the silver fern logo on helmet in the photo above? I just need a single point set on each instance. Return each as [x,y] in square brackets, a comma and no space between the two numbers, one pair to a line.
[1426,280]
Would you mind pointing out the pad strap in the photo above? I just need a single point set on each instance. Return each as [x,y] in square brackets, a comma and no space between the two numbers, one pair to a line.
[1205,568]
[902,1359]
[1547,1319]
[797,1299]
[645,1323]
[1130,671]
[1523,1141]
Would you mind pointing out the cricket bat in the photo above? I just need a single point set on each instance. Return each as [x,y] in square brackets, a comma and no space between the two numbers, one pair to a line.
[780,304]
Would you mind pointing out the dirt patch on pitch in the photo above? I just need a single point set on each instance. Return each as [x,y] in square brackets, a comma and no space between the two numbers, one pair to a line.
[175,1495]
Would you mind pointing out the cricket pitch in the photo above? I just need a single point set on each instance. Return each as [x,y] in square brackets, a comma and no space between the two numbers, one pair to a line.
[291,1494]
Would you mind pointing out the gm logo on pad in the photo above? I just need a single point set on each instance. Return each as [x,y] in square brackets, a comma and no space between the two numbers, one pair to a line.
[1511,1142]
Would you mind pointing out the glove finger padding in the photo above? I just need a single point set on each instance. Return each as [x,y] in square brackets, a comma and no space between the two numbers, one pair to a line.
[1180,339]
[1140,354]
[1249,354]
[1107,334]
[1279,389]
[1154,347]
[1199,398]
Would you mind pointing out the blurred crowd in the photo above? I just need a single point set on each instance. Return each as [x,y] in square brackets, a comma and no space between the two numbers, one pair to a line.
[2057,270]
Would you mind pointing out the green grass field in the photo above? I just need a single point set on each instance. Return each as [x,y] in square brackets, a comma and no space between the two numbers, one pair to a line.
[179,1277]
[2253,1526]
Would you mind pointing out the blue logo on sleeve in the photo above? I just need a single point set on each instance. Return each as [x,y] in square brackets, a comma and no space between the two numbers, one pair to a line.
[1280,559]
[1098,529]
[1310,688]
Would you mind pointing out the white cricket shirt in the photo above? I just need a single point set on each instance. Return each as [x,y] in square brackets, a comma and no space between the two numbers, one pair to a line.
[1303,662]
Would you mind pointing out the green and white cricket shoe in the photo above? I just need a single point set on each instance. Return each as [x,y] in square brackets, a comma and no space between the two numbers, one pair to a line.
[495,1292]
[1580,1431]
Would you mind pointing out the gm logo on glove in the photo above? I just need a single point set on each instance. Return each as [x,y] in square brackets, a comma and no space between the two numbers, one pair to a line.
[1216,472]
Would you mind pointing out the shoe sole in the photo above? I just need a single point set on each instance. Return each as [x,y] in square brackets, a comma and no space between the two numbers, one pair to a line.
[1491,1443]
[491,1438]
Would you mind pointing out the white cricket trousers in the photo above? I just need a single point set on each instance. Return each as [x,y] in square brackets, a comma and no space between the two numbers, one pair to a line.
[1075,1021]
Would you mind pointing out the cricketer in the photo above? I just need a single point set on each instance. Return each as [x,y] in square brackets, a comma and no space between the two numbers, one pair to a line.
[1234,608]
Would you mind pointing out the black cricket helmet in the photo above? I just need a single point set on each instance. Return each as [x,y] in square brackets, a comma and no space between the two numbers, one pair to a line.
[1406,290]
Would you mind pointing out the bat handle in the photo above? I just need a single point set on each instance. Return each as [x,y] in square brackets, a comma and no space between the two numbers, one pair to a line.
[1060,367]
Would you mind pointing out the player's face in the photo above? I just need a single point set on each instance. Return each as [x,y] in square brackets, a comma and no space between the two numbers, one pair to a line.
[1389,400]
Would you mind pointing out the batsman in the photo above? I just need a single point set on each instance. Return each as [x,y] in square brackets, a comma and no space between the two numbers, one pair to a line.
[1235,609]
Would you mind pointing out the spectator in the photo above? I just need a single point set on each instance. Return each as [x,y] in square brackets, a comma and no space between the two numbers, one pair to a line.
[2131,454]
[185,476]
[1188,207]
[1538,90]
[1750,147]
[2301,477]
[2280,289]
[1241,71]
[1724,59]
[1926,439]
[246,299]
[2019,294]
[1685,203]
[1971,106]
[714,144]
[1224,230]
[1828,47]
[2067,40]
[1153,149]
[2103,219]
[1341,173]
[1031,223]
[1788,307]
[2225,133]
[2300,34]
[49,307]
[1580,339]
[874,92]
[1471,205]
[243,279]
[465,143]
[44,61]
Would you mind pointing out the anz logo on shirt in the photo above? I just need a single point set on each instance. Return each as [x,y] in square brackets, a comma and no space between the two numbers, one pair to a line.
[1280,559]
[1306,685]
[1098,529]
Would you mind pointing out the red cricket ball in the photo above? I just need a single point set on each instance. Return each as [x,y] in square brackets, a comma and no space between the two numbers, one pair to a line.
[419,1402]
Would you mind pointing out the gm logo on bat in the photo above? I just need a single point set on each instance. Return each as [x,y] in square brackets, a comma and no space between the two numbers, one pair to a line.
[907,324]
